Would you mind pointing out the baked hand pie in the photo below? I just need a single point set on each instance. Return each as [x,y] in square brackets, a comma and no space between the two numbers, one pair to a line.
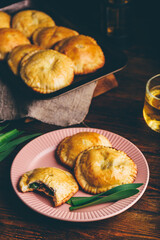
[5,20]
[60,185]
[84,51]
[9,39]
[100,168]
[16,55]
[70,147]
[46,71]
[48,36]
[28,21]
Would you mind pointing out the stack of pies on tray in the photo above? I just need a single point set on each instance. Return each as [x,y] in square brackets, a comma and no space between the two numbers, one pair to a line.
[95,167]
[53,54]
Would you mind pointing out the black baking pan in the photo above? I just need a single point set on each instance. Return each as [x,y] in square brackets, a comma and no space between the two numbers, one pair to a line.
[115,59]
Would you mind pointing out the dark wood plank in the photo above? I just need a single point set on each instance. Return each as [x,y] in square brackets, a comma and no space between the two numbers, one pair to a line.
[105,84]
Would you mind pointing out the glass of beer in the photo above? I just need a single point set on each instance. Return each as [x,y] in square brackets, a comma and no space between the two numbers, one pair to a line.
[151,109]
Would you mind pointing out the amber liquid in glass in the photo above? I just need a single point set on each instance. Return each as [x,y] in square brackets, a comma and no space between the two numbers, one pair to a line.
[151,110]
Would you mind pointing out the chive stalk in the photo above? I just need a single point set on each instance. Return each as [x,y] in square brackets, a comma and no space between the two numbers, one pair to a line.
[17,141]
[10,140]
[3,127]
[8,136]
[76,201]
[5,154]
[110,198]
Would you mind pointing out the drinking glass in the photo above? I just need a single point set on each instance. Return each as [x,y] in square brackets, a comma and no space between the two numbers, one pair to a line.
[151,109]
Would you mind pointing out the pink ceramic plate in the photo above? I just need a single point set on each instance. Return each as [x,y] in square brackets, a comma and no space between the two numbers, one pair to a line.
[40,152]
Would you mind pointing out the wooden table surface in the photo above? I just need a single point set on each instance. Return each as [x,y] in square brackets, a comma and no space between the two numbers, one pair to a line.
[118,111]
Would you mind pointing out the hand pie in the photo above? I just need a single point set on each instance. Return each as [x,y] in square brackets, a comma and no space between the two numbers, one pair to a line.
[99,169]
[60,185]
[48,36]
[47,71]
[9,39]
[16,55]
[70,147]
[5,19]
[84,52]
[28,21]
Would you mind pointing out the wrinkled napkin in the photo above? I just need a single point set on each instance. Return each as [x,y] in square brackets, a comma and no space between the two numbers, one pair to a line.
[64,110]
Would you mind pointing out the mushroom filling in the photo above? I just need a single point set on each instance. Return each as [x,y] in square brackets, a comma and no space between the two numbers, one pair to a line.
[41,187]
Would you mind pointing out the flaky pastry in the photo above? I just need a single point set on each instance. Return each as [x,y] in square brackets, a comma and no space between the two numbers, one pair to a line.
[84,51]
[28,21]
[100,168]
[5,20]
[16,55]
[10,38]
[48,36]
[60,185]
[46,71]
[70,147]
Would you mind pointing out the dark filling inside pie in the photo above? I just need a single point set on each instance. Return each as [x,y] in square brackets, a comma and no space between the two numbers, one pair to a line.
[41,187]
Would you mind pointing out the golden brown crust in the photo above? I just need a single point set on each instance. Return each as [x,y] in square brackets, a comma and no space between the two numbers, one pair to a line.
[62,182]
[84,52]
[99,169]
[70,147]
[5,20]
[48,36]
[36,33]
[28,21]
[16,55]
[46,71]
[9,39]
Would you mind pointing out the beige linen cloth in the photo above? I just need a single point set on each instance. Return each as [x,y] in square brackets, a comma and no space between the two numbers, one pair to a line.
[64,110]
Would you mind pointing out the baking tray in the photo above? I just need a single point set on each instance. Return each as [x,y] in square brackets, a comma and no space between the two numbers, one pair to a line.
[115,59]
